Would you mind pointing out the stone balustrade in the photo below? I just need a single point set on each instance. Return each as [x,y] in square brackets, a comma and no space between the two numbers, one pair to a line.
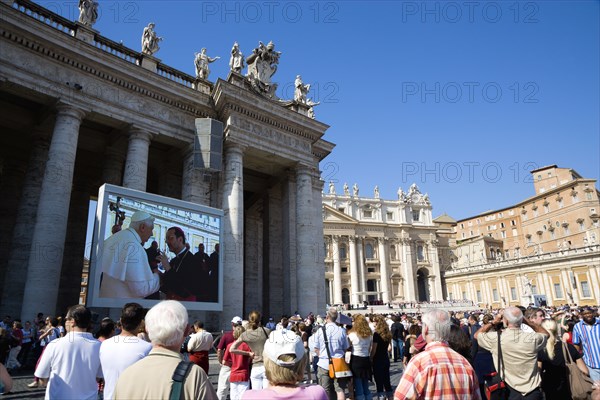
[499,264]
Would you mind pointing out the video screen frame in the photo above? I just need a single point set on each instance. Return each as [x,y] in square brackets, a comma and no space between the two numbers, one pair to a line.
[199,223]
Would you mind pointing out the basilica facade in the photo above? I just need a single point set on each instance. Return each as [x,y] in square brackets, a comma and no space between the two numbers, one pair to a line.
[80,110]
[385,251]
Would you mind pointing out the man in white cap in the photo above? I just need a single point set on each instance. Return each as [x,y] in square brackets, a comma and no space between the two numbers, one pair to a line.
[125,269]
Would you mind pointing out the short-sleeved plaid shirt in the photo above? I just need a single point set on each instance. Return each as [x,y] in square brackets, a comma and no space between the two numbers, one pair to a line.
[438,373]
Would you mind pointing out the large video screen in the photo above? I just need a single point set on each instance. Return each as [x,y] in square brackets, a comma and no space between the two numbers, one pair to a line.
[148,248]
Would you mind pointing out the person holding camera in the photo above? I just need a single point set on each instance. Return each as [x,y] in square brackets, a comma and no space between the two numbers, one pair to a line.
[519,351]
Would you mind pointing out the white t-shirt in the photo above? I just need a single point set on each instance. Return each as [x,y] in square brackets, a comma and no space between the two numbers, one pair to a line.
[72,363]
[360,346]
[118,353]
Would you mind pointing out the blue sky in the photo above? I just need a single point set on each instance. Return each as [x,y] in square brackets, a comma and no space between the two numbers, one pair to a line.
[461,98]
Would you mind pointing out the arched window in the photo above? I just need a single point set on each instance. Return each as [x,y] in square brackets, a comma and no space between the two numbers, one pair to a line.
[369,251]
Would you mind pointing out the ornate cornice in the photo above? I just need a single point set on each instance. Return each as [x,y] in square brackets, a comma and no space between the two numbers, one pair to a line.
[110,79]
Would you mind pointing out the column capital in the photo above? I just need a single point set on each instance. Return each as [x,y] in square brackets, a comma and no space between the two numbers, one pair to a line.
[304,169]
[140,133]
[66,109]
[235,147]
[352,239]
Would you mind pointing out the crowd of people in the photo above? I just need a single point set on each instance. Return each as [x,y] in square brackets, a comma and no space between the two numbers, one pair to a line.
[442,354]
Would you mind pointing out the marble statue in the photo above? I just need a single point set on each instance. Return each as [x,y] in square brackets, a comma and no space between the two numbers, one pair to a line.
[355,190]
[400,194]
[376,191]
[331,187]
[527,286]
[262,65]
[236,61]
[346,189]
[88,12]
[413,189]
[150,40]
[201,62]
[301,90]
[311,112]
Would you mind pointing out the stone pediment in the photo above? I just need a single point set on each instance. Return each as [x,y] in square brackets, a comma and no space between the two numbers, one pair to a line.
[330,214]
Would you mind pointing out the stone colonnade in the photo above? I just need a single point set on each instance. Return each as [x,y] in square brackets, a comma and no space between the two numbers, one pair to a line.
[35,275]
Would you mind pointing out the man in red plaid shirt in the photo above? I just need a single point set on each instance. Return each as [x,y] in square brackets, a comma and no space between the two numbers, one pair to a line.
[438,372]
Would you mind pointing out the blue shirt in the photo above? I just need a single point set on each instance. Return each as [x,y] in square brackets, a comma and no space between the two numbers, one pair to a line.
[588,337]
[338,343]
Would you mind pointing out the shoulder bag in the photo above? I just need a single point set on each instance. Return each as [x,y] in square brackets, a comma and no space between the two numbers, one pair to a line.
[338,368]
[178,378]
[581,385]
[495,387]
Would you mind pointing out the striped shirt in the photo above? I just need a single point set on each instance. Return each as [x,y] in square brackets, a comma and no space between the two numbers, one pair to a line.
[438,373]
[588,337]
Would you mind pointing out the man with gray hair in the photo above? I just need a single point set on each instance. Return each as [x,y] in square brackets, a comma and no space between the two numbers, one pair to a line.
[438,372]
[152,377]
[519,352]
[125,270]
[338,344]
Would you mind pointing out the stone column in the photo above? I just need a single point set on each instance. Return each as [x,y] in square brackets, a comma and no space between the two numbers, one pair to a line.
[233,232]
[49,231]
[273,272]
[383,271]
[401,289]
[548,287]
[318,233]
[289,247]
[72,266]
[112,171]
[306,256]
[253,263]
[594,287]
[195,182]
[435,262]
[136,165]
[430,283]
[353,269]
[337,271]
[361,266]
[14,282]
[12,174]
[409,274]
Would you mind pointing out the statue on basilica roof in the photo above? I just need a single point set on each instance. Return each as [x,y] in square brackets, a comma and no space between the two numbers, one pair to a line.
[301,90]
[262,65]
[355,190]
[88,12]
[331,187]
[414,196]
[401,195]
[346,189]
[376,192]
[201,62]
[150,40]
[236,61]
